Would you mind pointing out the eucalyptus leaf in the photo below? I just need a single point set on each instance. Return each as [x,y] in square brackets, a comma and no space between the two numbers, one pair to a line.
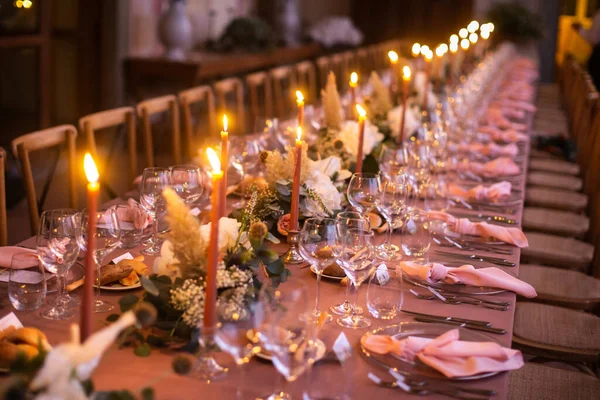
[149,286]
[127,302]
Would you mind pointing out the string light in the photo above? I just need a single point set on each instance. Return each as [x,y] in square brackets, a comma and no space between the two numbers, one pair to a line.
[454,38]
[473,38]
[464,44]
[473,26]
[463,33]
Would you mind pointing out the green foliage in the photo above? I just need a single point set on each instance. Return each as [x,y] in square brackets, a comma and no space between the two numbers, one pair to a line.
[143,350]
[246,34]
[515,22]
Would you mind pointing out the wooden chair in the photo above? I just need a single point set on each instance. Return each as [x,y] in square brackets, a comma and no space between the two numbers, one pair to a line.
[146,109]
[108,119]
[188,98]
[337,66]
[283,94]
[323,65]
[39,140]
[254,82]
[235,86]
[307,80]
[3,226]
[363,62]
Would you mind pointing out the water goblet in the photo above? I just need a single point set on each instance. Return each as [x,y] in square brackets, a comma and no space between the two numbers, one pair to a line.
[187,181]
[154,181]
[391,204]
[317,240]
[385,293]
[26,282]
[416,233]
[363,190]
[392,160]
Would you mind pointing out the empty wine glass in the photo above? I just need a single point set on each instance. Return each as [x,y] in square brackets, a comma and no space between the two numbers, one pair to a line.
[26,282]
[385,293]
[363,190]
[106,240]
[348,220]
[392,160]
[57,249]
[391,204]
[416,233]
[358,260]
[317,240]
[245,157]
[187,182]
[154,181]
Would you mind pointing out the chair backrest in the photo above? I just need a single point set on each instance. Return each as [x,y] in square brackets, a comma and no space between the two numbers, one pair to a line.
[363,61]
[591,178]
[235,86]
[307,80]
[108,119]
[3,228]
[39,140]
[284,96]
[323,65]
[158,105]
[254,82]
[187,98]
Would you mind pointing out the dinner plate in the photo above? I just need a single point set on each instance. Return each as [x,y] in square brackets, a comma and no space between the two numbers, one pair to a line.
[75,273]
[456,288]
[264,354]
[117,287]
[423,330]
[323,275]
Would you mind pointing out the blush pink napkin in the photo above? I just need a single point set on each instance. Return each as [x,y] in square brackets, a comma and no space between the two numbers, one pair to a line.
[7,253]
[501,166]
[464,226]
[447,354]
[132,213]
[495,192]
[468,275]
[507,136]
[490,149]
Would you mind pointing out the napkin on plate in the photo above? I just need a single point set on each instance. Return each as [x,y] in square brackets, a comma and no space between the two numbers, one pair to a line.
[508,136]
[463,226]
[489,149]
[494,193]
[7,253]
[132,213]
[448,355]
[501,166]
[467,275]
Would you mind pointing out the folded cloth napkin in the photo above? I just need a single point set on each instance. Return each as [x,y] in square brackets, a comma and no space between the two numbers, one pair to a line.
[448,355]
[494,193]
[7,253]
[501,166]
[489,149]
[464,226]
[132,213]
[467,275]
[507,136]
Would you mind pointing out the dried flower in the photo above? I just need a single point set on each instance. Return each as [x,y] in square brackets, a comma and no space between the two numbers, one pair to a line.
[380,102]
[182,365]
[258,231]
[332,106]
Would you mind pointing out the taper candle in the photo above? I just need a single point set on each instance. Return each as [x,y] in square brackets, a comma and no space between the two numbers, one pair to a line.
[295,203]
[87,300]
[300,103]
[212,258]
[362,117]
[353,83]
[406,75]
[428,58]
[224,163]
[393,56]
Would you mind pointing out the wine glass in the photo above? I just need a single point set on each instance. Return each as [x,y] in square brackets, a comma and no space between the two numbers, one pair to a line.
[317,240]
[285,329]
[358,261]
[106,239]
[392,160]
[416,233]
[26,282]
[154,181]
[363,190]
[187,181]
[57,249]
[391,204]
[348,220]
[245,156]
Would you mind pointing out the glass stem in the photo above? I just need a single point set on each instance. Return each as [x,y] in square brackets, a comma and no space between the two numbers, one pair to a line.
[390,230]
[97,282]
[317,312]
[155,236]
[59,290]
[239,394]
[355,295]
[347,305]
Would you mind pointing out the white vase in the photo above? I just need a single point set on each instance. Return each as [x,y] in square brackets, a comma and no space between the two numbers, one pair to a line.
[175,30]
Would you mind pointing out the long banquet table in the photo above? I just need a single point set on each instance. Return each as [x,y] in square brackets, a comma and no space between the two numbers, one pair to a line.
[121,369]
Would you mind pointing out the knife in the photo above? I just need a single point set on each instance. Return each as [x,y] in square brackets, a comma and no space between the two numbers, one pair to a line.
[492,218]
[463,325]
[449,318]
[489,259]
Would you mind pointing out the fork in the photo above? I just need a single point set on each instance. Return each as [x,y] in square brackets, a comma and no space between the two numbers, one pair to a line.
[452,301]
[464,298]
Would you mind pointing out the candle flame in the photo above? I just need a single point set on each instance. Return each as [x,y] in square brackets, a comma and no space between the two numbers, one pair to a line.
[406,73]
[416,49]
[424,50]
[485,34]
[225,122]
[473,38]
[454,38]
[444,47]
[362,113]
[299,97]
[393,56]
[429,55]
[464,44]
[473,26]
[463,33]
[299,133]
[89,166]
[213,158]
[453,47]
[490,26]
[354,78]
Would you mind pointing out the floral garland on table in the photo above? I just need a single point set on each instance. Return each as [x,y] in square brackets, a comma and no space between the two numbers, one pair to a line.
[177,286]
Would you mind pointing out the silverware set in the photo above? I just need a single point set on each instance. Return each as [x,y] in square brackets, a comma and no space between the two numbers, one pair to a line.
[497,219]
[474,324]
[503,262]
[454,299]
[466,245]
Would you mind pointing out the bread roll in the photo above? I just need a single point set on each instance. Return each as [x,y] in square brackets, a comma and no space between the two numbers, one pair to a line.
[8,353]
[4,333]
[334,270]
[130,280]
[28,349]
[30,336]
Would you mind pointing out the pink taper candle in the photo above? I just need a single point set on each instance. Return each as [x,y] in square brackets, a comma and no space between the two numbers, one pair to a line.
[87,300]
[294,213]
[406,74]
[362,117]
[212,259]
[353,83]
[224,163]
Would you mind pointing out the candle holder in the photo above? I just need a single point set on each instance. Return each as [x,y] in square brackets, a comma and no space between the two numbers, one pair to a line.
[206,368]
[292,256]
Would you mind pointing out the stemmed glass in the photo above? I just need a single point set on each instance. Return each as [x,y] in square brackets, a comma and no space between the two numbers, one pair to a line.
[317,240]
[58,250]
[187,181]
[348,220]
[107,238]
[392,160]
[391,203]
[363,190]
[154,181]
[358,261]
[285,328]
[245,155]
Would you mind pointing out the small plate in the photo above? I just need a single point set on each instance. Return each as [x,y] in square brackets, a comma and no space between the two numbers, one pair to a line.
[335,278]
[456,288]
[117,287]
[75,273]
[424,330]
[266,355]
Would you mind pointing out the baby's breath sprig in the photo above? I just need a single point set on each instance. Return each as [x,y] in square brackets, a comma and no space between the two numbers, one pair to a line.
[313,195]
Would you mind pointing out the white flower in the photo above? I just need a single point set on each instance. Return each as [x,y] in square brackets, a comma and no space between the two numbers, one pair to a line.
[419,84]
[324,187]
[330,165]
[411,122]
[349,136]
[229,229]
[166,263]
